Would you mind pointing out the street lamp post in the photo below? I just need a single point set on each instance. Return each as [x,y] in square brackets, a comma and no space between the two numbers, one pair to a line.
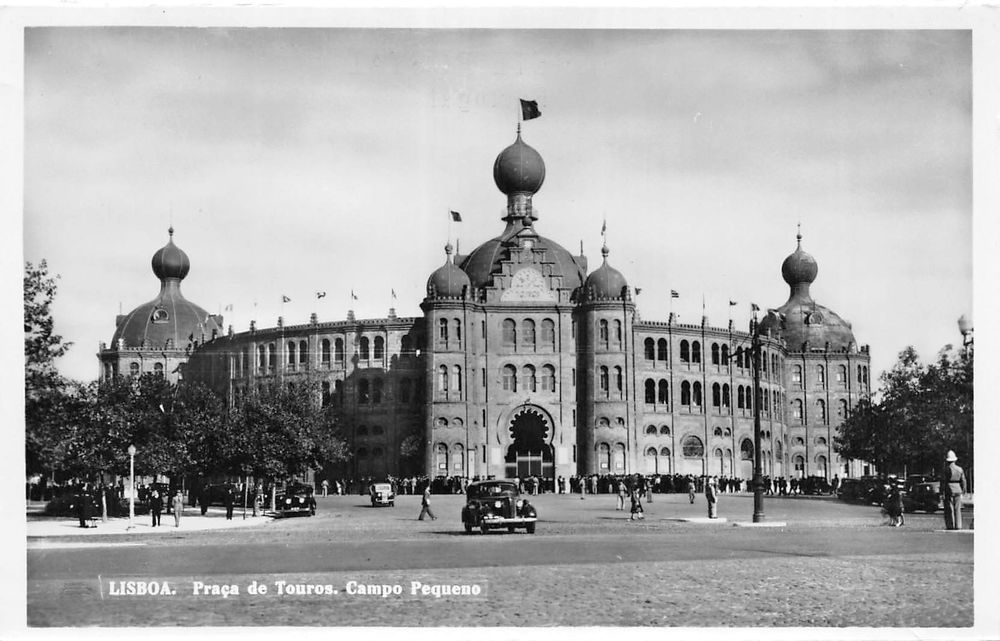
[131,485]
[965,327]
[758,477]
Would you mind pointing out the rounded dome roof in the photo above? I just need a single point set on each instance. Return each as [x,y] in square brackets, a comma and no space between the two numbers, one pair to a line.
[484,260]
[170,261]
[605,281]
[169,316]
[448,280]
[519,168]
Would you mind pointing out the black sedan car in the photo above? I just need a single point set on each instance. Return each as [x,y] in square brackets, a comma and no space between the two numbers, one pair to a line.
[294,500]
[497,505]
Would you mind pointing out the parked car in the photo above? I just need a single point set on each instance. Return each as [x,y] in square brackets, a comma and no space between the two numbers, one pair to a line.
[294,500]
[849,490]
[382,494]
[815,485]
[495,505]
[920,494]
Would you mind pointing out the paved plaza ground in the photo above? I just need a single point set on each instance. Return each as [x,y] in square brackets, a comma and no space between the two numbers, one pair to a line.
[833,565]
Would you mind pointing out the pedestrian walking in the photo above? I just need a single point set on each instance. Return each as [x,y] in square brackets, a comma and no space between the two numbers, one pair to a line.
[712,496]
[326,487]
[229,500]
[155,506]
[621,495]
[178,508]
[636,511]
[425,505]
[691,490]
[894,506]
[952,487]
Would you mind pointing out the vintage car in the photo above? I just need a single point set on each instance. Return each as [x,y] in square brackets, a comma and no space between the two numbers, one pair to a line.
[496,505]
[294,500]
[922,495]
[849,490]
[382,494]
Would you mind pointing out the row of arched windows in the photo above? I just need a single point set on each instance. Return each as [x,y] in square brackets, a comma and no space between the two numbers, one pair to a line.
[449,461]
[449,378]
[664,430]
[820,376]
[799,415]
[444,422]
[610,380]
[527,335]
[449,330]
[135,370]
[531,379]
[609,335]
[376,430]
[374,391]
[691,352]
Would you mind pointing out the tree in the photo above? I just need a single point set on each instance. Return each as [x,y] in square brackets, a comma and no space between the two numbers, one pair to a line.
[922,411]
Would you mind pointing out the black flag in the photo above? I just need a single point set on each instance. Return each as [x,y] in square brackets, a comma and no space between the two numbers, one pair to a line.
[529,109]
[457,217]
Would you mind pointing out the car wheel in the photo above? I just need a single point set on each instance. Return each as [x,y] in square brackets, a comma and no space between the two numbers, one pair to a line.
[468,527]
[530,529]
[484,528]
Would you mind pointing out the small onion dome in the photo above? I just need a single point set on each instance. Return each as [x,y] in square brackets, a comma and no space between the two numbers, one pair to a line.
[605,281]
[799,268]
[519,169]
[170,261]
[448,281]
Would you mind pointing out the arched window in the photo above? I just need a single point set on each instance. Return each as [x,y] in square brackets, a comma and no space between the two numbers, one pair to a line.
[619,379]
[842,408]
[696,393]
[291,353]
[324,352]
[441,421]
[797,376]
[716,395]
[603,422]
[379,348]
[528,378]
[797,409]
[665,451]
[685,393]
[338,350]
[746,450]
[650,387]
[441,459]
[663,392]
[548,378]
[443,332]
[405,345]
[602,333]
[158,369]
[749,398]
[261,357]
[456,378]
[528,333]
[272,356]
[717,432]
[362,430]
[548,333]
[363,395]
[726,400]
[692,447]
[457,326]
[651,429]
[821,465]
[661,349]
[763,362]
[715,353]
[685,352]
[799,441]
[325,394]
[725,354]
[841,376]
[739,357]
[442,378]
[338,392]
[864,372]
[618,333]
[821,441]
[604,382]
[364,351]
[665,430]
[458,459]
[509,333]
[509,376]
[695,352]
[800,465]
[821,376]
[604,456]
[362,453]
[739,397]
[133,369]
[859,374]
[303,352]
[651,451]
[821,410]
[649,352]
[377,391]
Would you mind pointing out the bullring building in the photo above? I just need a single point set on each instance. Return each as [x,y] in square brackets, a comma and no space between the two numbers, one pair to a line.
[525,361]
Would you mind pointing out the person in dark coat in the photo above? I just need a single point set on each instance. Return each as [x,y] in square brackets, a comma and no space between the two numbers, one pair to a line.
[425,505]
[155,506]
[82,504]
[636,511]
[230,501]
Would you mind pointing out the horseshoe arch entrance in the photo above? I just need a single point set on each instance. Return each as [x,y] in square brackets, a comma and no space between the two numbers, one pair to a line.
[529,453]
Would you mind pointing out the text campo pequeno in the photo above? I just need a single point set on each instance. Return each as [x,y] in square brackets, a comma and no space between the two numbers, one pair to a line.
[282,588]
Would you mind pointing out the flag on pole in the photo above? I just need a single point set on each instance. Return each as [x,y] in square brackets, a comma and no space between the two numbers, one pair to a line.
[285,299]
[732,303]
[604,227]
[320,294]
[529,109]
[228,307]
[457,217]
[353,295]
[638,290]
[674,294]
[393,294]
[754,308]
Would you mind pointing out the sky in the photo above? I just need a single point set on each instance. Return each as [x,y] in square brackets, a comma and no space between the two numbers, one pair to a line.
[291,161]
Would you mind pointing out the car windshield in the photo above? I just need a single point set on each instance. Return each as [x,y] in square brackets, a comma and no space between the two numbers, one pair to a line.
[492,489]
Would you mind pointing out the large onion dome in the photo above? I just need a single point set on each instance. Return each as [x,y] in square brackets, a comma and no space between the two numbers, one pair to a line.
[519,168]
[605,281]
[806,324]
[169,321]
[448,280]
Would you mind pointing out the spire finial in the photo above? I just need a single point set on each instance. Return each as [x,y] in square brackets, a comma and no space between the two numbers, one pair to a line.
[798,236]
[518,128]
[605,251]
[171,232]
[447,250]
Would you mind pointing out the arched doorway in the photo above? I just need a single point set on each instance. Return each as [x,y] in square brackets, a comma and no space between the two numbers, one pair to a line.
[529,453]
